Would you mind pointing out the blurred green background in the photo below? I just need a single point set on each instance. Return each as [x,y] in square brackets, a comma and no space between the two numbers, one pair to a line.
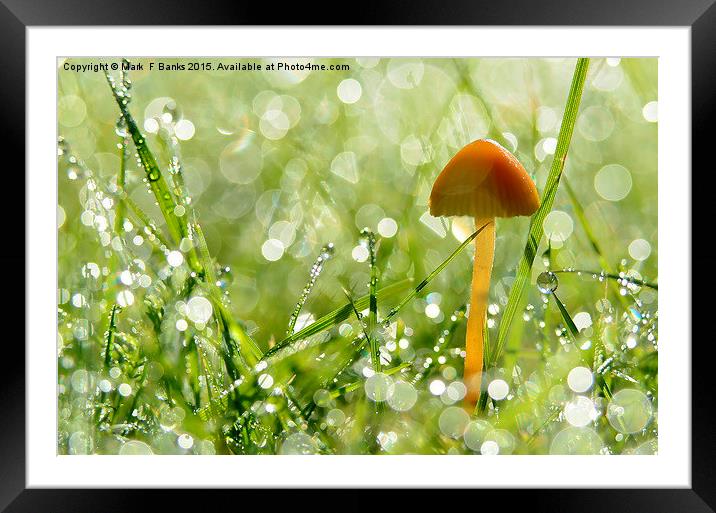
[279,163]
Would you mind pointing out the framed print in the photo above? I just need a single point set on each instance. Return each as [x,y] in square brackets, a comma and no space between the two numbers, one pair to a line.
[347,257]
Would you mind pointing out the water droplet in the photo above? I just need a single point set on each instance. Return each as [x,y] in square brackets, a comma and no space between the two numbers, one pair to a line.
[547,282]
[225,277]
[120,127]
[325,254]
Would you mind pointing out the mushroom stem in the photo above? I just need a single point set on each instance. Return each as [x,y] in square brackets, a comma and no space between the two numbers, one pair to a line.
[474,338]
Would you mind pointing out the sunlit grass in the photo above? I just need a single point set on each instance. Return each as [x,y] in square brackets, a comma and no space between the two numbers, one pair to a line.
[309,305]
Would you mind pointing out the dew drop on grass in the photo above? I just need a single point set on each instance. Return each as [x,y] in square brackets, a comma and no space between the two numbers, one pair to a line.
[260,435]
[547,282]
[225,277]
[316,269]
[121,127]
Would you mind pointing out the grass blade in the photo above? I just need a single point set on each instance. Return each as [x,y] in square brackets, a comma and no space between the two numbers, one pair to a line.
[109,339]
[373,302]
[123,198]
[233,329]
[444,343]
[358,315]
[536,231]
[154,176]
[623,279]
[432,275]
[121,178]
[566,317]
[357,384]
[339,314]
[204,255]
[316,270]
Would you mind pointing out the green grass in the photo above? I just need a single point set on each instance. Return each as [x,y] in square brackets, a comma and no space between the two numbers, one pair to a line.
[536,231]
[232,349]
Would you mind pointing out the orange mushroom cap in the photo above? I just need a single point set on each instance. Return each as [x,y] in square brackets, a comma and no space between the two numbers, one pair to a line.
[483,180]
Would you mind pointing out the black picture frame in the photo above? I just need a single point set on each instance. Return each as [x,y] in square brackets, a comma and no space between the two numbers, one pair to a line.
[17,15]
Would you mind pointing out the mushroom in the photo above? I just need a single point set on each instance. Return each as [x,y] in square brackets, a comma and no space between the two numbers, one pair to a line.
[483,180]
